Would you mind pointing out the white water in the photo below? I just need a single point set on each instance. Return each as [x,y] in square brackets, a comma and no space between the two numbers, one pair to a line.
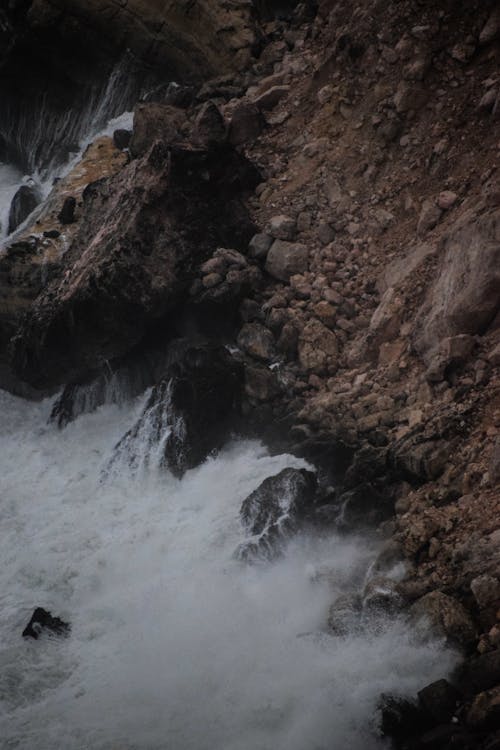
[175,645]
[10,181]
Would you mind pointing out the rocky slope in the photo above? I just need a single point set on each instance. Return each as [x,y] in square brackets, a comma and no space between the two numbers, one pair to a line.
[334,211]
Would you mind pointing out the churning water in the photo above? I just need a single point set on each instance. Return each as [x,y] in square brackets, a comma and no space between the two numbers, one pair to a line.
[175,645]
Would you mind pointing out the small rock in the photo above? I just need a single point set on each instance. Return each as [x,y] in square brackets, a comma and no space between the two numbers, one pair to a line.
[257,341]
[42,621]
[285,259]
[67,213]
[209,126]
[282,227]
[485,710]
[439,700]
[486,590]
[447,199]
[430,215]
[259,245]
[246,124]
[270,98]
[23,203]
[211,280]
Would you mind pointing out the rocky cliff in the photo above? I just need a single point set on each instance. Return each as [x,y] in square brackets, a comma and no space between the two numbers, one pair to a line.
[333,210]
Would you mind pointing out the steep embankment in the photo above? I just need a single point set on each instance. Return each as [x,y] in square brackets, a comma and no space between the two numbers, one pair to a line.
[372,132]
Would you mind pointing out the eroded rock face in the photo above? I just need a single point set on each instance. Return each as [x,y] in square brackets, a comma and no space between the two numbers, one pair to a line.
[141,235]
[274,511]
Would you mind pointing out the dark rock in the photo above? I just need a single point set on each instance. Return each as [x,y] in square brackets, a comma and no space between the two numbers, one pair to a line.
[246,124]
[209,126]
[479,673]
[141,235]
[400,719]
[485,710]
[439,700]
[440,615]
[155,122]
[52,234]
[23,203]
[257,341]
[121,138]
[274,511]
[259,245]
[261,383]
[190,412]
[67,213]
[42,621]
[381,597]
[364,506]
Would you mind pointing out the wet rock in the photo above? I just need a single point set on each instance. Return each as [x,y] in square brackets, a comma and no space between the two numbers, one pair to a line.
[257,341]
[23,203]
[442,616]
[400,719]
[285,259]
[43,622]
[275,510]
[381,597]
[67,214]
[246,124]
[190,413]
[364,506]
[344,614]
[479,673]
[439,700]
[121,138]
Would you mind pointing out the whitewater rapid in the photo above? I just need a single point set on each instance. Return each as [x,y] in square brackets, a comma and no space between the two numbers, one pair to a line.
[175,645]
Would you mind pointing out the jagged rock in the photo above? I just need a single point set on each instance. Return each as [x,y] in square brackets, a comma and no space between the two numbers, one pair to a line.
[318,347]
[257,341]
[43,622]
[274,511]
[442,616]
[67,214]
[190,413]
[363,506]
[486,590]
[155,122]
[209,126]
[246,124]
[452,351]
[286,258]
[23,203]
[141,233]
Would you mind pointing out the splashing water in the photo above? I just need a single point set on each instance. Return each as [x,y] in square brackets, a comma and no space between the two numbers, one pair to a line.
[174,644]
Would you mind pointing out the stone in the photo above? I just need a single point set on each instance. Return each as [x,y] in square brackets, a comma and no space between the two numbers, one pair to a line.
[67,213]
[257,341]
[190,412]
[486,590]
[155,122]
[439,700]
[463,299]
[479,673]
[318,347]
[484,712]
[439,615]
[270,98]
[288,340]
[409,96]
[452,351]
[246,124]
[326,313]
[430,215]
[42,622]
[261,383]
[494,464]
[285,259]
[491,29]
[211,280]
[282,227]
[121,138]
[446,200]
[400,719]
[209,126]
[275,510]
[363,507]
[381,597]
[23,203]
[488,100]
[259,245]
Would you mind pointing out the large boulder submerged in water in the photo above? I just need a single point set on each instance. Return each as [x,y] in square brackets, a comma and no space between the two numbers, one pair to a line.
[275,511]
[189,414]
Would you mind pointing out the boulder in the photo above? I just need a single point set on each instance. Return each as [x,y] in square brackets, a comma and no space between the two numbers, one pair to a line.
[189,414]
[282,227]
[259,245]
[43,622]
[285,259]
[318,347]
[209,126]
[439,615]
[439,700]
[23,203]
[257,341]
[246,124]
[275,510]
[486,590]
[155,122]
